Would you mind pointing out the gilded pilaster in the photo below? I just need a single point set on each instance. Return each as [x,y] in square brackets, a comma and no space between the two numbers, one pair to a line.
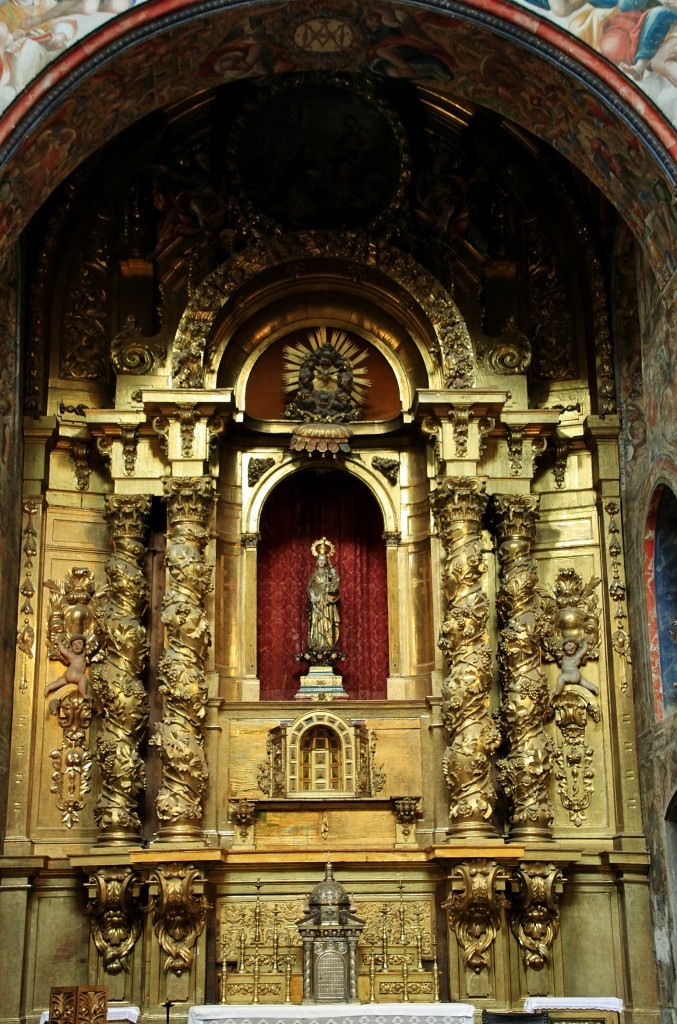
[524,774]
[180,735]
[471,736]
[119,693]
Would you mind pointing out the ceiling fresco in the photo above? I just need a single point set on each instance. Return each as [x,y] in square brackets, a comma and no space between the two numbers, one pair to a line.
[94,93]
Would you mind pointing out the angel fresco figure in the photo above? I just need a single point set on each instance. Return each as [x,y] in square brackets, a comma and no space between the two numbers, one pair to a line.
[323,600]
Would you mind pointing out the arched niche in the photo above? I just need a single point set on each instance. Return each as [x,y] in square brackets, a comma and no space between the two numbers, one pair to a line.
[305,506]
[660,554]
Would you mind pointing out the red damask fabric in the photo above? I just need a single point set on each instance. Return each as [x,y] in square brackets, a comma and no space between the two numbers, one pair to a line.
[303,508]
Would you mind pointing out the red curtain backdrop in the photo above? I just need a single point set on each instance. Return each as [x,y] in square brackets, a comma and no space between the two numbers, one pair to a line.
[308,505]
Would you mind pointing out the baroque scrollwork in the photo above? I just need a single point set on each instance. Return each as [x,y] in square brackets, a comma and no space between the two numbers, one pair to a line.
[120,697]
[72,761]
[511,351]
[535,910]
[180,734]
[193,349]
[471,735]
[132,353]
[116,915]
[524,774]
[476,898]
[76,608]
[570,611]
[573,759]
[179,909]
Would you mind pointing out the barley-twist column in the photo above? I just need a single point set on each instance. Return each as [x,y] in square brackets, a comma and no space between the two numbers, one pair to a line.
[471,736]
[524,775]
[118,691]
[180,734]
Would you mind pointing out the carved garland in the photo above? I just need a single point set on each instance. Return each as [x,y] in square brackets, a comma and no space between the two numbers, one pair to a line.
[193,345]
[120,697]
[471,736]
[180,734]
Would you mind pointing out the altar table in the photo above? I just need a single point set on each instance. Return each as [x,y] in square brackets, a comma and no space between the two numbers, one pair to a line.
[333,1013]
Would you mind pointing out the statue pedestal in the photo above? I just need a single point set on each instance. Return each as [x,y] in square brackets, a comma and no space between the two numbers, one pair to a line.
[321,684]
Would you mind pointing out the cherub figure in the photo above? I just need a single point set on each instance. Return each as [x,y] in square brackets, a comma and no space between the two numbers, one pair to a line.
[573,653]
[76,661]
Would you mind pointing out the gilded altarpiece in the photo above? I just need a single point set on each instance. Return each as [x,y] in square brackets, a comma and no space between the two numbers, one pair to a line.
[250,372]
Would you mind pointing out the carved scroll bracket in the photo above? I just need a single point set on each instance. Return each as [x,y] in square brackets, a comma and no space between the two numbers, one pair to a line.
[536,891]
[526,436]
[179,909]
[474,905]
[116,919]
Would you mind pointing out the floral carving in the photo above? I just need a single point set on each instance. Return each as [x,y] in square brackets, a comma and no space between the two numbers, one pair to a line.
[119,695]
[180,734]
[471,736]
[76,608]
[524,775]
[72,761]
[570,611]
[573,760]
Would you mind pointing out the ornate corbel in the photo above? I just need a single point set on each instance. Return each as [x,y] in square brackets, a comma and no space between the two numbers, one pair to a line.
[116,915]
[460,417]
[562,448]
[536,890]
[407,811]
[160,425]
[179,909]
[72,761]
[476,898]
[130,444]
[81,455]
[187,417]
[515,441]
[242,813]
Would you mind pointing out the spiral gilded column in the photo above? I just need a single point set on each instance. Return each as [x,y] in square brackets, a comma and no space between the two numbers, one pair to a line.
[119,695]
[181,733]
[471,736]
[524,774]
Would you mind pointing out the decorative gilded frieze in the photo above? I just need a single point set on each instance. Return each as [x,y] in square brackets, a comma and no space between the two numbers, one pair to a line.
[573,759]
[524,774]
[474,904]
[179,909]
[116,915]
[119,695]
[72,761]
[535,910]
[471,735]
[180,734]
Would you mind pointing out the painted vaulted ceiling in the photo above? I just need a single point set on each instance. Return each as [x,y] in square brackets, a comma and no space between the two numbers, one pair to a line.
[597,80]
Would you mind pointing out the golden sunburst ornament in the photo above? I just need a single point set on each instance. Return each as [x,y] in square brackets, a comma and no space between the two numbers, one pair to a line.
[327,377]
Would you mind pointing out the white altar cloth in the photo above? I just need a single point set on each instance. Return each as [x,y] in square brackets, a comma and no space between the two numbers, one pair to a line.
[333,1013]
[534,1003]
[130,1013]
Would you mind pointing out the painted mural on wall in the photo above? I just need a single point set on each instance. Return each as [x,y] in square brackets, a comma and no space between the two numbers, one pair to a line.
[638,36]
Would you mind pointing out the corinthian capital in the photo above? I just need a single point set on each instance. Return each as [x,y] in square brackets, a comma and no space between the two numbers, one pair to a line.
[189,499]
